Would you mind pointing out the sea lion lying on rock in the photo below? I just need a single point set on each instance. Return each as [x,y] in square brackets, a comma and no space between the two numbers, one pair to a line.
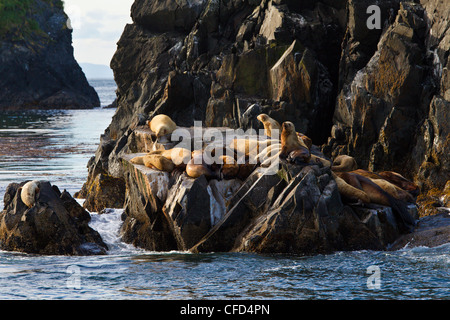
[155,161]
[198,167]
[400,181]
[29,193]
[377,195]
[394,190]
[162,125]
[344,163]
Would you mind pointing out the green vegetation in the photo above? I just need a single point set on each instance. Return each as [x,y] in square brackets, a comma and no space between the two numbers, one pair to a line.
[16,19]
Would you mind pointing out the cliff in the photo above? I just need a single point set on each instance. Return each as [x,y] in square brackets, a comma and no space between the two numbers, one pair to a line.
[379,95]
[37,66]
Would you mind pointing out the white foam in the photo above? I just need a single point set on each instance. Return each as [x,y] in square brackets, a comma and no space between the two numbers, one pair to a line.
[108,226]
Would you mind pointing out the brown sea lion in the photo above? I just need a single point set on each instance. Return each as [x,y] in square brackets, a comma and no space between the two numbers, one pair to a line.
[250,146]
[344,163]
[386,185]
[270,125]
[178,156]
[306,140]
[379,196]
[230,168]
[197,166]
[349,192]
[367,174]
[316,160]
[400,181]
[154,161]
[290,142]
[162,125]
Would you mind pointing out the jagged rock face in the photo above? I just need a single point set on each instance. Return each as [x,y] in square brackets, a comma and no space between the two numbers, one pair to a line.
[390,110]
[212,59]
[55,225]
[380,95]
[39,70]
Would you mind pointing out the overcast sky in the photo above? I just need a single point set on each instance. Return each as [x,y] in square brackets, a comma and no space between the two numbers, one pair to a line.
[97,26]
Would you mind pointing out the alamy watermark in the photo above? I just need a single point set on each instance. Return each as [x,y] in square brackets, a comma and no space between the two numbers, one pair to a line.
[374,280]
[374,20]
[74,280]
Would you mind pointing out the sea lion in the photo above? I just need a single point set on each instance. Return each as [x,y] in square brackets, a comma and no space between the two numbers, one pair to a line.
[379,196]
[344,163]
[230,168]
[367,174]
[306,139]
[250,146]
[29,193]
[162,125]
[154,161]
[401,182]
[138,160]
[197,167]
[316,160]
[349,192]
[270,125]
[386,185]
[290,142]
[159,162]
[179,156]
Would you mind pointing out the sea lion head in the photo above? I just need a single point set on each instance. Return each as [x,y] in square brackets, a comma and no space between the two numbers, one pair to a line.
[263,117]
[288,127]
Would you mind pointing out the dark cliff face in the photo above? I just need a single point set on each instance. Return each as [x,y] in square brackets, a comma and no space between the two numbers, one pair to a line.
[379,95]
[37,66]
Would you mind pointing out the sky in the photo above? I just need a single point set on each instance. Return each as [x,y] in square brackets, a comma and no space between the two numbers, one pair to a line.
[97,26]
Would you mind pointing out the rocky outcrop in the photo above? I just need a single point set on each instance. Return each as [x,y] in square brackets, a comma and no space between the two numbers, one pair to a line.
[55,225]
[392,103]
[36,63]
[282,208]
[380,95]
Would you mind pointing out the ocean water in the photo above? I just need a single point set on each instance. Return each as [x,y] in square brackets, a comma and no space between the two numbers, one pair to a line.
[106,90]
[56,145]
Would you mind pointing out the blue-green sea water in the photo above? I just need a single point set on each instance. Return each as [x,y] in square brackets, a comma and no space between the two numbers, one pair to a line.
[56,146]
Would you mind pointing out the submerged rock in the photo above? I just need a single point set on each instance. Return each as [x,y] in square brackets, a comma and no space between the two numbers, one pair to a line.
[431,231]
[55,225]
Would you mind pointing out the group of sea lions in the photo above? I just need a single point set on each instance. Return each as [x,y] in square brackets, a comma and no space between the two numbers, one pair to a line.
[386,188]
[193,163]
[355,185]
